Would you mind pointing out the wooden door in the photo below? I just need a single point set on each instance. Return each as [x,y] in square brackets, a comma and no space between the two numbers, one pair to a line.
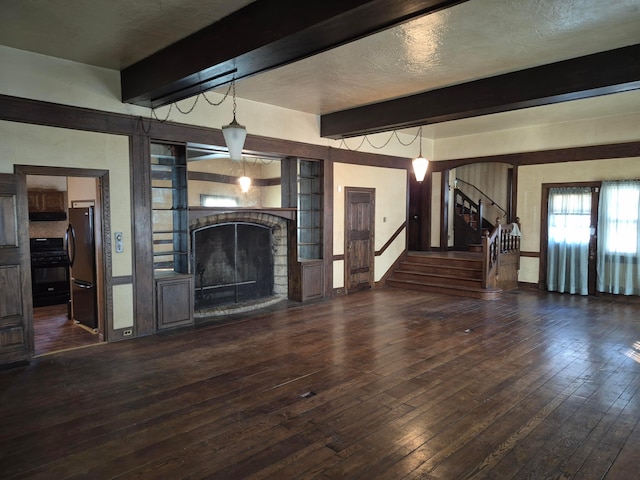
[359,238]
[16,310]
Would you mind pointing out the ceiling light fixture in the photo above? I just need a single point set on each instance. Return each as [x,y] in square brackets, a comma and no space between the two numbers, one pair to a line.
[244,181]
[420,164]
[234,133]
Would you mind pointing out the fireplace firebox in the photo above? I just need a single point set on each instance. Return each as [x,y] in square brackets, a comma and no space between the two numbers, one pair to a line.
[234,264]
[239,259]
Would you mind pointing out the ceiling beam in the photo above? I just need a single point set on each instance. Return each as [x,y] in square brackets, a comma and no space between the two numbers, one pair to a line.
[583,77]
[261,36]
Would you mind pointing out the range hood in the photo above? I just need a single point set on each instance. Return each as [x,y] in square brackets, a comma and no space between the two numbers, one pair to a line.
[47,216]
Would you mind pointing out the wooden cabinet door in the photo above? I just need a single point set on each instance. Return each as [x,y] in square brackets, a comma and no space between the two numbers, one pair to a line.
[359,231]
[52,201]
[16,310]
[46,201]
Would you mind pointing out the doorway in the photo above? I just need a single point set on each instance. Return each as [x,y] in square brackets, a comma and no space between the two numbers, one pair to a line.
[359,238]
[61,323]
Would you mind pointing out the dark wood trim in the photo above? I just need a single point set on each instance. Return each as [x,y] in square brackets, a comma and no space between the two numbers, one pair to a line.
[592,75]
[119,334]
[122,280]
[559,155]
[530,254]
[390,241]
[230,179]
[426,215]
[60,171]
[289,182]
[16,109]
[24,110]
[338,257]
[327,223]
[198,212]
[513,193]
[444,211]
[528,286]
[143,286]
[103,248]
[544,230]
[191,65]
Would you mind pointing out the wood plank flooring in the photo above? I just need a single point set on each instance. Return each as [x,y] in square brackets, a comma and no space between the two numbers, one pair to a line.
[53,331]
[383,384]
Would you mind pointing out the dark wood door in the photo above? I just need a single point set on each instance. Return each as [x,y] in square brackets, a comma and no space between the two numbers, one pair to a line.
[16,309]
[359,238]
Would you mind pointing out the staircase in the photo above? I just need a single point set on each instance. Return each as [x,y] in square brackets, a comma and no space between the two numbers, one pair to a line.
[450,273]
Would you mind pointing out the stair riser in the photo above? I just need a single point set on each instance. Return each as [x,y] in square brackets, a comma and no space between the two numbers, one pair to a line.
[441,270]
[486,295]
[455,262]
[425,278]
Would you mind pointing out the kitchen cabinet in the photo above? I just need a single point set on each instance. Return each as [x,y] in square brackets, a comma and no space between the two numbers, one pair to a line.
[46,201]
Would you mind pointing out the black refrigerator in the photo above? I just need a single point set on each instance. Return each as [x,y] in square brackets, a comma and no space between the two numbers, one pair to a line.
[82,261]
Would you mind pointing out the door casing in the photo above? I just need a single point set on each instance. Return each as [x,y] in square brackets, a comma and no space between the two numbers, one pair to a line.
[544,232]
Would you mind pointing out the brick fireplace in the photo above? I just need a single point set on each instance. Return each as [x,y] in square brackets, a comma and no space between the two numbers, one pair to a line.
[240,259]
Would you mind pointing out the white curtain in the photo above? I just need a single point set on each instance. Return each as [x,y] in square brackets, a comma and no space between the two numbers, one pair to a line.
[619,238]
[568,246]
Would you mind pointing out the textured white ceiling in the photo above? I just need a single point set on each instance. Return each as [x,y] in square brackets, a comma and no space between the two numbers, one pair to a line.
[476,39]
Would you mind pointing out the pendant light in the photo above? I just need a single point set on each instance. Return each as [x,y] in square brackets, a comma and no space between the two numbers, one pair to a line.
[234,133]
[420,164]
[244,181]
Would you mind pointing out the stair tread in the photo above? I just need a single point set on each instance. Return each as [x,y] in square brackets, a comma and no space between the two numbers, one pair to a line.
[437,275]
[444,265]
[445,286]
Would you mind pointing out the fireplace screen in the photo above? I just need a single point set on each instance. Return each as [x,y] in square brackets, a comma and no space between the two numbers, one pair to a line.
[233,263]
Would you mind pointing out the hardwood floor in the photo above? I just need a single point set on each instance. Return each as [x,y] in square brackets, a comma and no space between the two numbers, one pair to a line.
[384,384]
[53,331]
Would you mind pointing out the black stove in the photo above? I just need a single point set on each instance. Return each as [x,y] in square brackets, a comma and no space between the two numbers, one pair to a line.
[49,272]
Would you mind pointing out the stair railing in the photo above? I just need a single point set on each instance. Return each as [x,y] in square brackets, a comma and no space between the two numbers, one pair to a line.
[470,212]
[493,203]
[503,241]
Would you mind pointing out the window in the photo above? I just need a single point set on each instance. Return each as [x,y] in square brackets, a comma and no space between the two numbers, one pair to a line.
[619,217]
[218,201]
[570,215]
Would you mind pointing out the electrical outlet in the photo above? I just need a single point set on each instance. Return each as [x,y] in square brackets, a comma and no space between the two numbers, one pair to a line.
[127,333]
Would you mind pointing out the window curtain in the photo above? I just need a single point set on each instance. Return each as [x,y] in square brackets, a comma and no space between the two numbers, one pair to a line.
[568,245]
[619,238]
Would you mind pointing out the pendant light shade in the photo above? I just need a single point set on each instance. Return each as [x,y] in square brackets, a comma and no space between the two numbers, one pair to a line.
[234,136]
[245,183]
[234,133]
[420,166]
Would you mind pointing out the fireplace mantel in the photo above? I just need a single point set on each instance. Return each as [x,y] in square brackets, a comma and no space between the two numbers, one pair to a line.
[199,212]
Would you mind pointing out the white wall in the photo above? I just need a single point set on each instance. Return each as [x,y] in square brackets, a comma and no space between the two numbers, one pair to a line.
[595,131]
[25,144]
[390,212]
[34,76]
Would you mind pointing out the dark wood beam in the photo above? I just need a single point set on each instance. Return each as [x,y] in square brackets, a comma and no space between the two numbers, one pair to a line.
[263,35]
[583,77]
